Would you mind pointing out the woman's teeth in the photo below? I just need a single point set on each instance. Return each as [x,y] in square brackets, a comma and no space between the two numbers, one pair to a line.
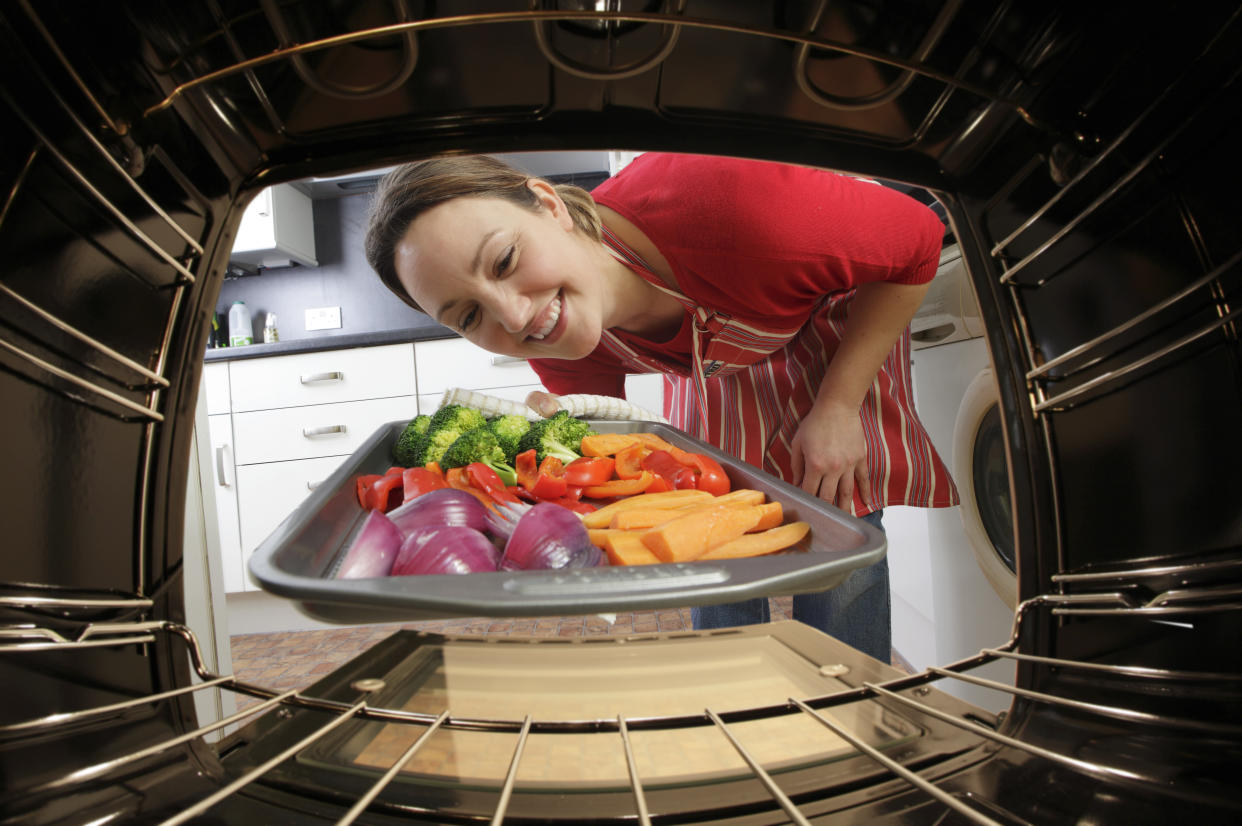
[554,315]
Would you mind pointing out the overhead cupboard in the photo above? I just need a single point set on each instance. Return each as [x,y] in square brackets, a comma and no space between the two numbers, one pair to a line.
[279,425]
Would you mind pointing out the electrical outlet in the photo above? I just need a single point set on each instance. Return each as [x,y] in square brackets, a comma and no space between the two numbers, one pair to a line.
[323,318]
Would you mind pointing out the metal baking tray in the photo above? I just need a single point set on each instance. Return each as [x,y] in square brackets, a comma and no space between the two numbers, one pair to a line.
[300,557]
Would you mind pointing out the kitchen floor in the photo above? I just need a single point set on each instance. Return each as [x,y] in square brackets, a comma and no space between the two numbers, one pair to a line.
[296,659]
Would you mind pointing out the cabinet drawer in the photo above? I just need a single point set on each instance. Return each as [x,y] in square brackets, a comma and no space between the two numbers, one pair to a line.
[306,432]
[455,362]
[322,378]
[268,493]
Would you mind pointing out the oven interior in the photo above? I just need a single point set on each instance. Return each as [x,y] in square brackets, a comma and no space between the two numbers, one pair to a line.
[1086,156]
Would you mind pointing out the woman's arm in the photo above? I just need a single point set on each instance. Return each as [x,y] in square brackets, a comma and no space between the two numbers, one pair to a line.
[829,451]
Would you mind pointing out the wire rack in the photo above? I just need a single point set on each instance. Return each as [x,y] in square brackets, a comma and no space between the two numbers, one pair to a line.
[906,691]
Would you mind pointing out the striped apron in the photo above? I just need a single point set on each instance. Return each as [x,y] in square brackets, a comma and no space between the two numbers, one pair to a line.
[747,388]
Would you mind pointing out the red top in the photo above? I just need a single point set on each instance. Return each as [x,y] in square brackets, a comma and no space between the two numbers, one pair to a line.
[768,254]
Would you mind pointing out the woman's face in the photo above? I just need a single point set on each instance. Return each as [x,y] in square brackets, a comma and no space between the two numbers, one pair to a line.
[509,279]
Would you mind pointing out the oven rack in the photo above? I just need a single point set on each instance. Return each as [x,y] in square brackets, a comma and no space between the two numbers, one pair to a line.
[903,691]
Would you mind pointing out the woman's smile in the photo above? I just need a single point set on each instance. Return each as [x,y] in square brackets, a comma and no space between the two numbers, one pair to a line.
[547,323]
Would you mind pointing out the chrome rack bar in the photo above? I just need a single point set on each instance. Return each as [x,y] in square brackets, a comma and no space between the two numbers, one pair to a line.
[1114,375]
[1136,320]
[931,38]
[1112,147]
[1094,708]
[93,636]
[112,209]
[368,798]
[506,791]
[760,773]
[119,128]
[1126,670]
[565,64]
[1008,276]
[211,800]
[1173,601]
[83,383]
[93,343]
[896,768]
[30,601]
[640,799]
[1186,569]
[1094,769]
[556,16]
[99,711]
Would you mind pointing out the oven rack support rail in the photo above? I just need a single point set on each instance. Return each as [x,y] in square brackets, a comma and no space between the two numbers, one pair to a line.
[30,638]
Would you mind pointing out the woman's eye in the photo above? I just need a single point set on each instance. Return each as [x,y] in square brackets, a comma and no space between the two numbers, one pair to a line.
[503,265]
[468,320]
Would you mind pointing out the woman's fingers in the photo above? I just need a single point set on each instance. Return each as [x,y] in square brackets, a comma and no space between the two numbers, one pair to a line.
[545,403]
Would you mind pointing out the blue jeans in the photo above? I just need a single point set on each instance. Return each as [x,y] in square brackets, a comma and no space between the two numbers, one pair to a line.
[858,612]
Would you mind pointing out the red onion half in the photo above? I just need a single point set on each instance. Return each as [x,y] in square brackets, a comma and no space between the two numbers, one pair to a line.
[440,508]
[445,549]
[374,549]
[549,536]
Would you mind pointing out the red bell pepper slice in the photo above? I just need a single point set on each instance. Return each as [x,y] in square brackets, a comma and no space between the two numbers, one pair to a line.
[458,478]
[385,492]
[658,485]
[487,480]
[419,480]
[629,462]
[550,482]
[572,504]
[362,487]
[620,487]
[712,477]
[589,470]
[678,476]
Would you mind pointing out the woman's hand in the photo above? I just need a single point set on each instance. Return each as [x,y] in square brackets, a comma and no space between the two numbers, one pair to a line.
[544,403]
[830,455]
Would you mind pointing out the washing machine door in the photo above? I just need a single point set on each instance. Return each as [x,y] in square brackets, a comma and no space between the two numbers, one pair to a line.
[981,470]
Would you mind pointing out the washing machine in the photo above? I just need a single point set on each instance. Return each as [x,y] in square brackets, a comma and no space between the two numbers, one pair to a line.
[953,578]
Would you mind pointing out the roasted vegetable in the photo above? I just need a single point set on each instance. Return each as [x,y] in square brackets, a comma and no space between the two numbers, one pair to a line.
[509,430]
[447,423]
[479,445]
[560,435]
[405,450]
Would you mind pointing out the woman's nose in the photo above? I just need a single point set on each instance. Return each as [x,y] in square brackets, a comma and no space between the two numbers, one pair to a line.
[512,310]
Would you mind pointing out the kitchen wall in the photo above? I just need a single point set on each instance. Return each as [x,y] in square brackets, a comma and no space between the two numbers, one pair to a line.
[342,279]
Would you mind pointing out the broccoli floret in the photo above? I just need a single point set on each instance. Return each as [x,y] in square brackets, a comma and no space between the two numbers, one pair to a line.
[407,450]
[547,437]
[456,417]
[509,430]
[479,445]
[569,430]
[433,444]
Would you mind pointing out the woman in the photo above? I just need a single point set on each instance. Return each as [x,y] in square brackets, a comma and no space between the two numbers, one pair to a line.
[774,298]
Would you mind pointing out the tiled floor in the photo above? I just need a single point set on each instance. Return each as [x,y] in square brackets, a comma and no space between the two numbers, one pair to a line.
[295,659]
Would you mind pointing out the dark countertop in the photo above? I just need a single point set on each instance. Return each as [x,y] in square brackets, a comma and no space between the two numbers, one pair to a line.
[331,342]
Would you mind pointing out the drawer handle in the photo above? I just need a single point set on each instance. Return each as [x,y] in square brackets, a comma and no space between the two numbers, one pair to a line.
[221,478]
[315,378]
[328,430]
[498,361]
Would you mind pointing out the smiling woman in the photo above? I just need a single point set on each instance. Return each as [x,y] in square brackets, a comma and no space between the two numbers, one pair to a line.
[780,321]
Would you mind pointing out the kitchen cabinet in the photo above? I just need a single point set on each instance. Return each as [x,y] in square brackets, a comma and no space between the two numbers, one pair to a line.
[290,421]
[277,230]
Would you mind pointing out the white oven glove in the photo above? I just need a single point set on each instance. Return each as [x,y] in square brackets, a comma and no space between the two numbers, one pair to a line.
[578,404]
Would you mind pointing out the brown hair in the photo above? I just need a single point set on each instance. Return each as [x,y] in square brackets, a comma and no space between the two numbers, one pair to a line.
[413,188]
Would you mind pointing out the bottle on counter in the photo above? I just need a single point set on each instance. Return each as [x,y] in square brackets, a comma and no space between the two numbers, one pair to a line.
[241,328]
[269,329]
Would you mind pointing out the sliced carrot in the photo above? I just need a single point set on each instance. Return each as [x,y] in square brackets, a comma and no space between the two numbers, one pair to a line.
[758,544]
[690,536]
[602,518]
[627,548]
[771,514]
[606,444]
[634,518]
[741,496]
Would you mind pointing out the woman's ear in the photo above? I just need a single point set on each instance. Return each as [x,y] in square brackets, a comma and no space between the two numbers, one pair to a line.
[548,198]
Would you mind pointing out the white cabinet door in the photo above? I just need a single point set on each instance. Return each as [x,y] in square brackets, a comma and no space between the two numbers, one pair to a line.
[224,480]
[322,378]
[276,230]
[455,362]
[216,387]
[269,493]
[322,430]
